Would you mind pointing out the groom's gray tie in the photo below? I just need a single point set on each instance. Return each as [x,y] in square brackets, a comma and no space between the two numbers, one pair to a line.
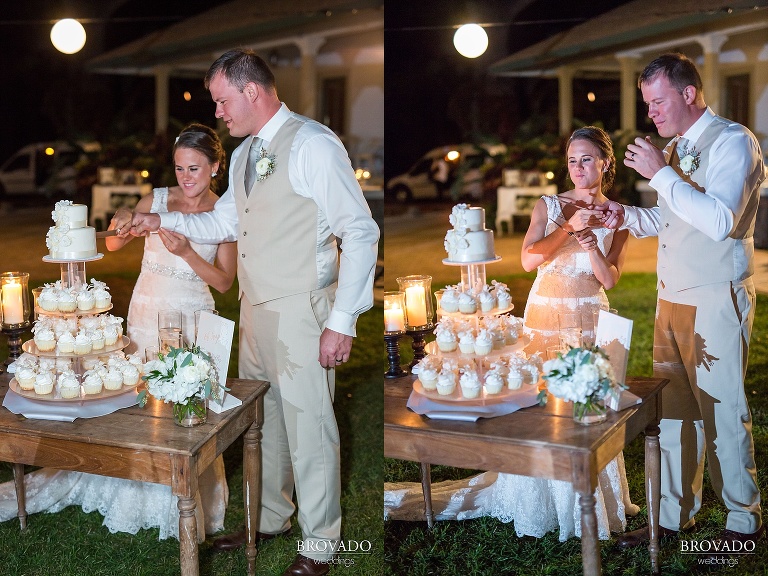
[254,154]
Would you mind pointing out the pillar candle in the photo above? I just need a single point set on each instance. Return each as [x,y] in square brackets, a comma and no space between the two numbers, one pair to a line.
[416,306]
[394,320]
[13,304]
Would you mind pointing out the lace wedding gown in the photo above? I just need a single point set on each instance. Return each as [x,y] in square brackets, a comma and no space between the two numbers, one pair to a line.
[166,281]
[536,505]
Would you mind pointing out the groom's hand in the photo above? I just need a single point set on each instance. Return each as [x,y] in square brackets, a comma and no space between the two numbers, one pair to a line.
[143,223]
[613,214]
[334,348]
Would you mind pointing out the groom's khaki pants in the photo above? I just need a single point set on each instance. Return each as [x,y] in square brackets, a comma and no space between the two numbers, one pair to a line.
[701,343]
[279,342]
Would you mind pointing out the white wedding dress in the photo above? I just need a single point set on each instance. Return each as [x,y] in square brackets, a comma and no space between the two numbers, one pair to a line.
[166,281]
[535,505]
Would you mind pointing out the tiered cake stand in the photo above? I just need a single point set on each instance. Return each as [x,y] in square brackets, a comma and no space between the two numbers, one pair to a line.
[72,276]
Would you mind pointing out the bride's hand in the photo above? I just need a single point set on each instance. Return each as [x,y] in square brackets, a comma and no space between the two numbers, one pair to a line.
[175,243]
[587,240]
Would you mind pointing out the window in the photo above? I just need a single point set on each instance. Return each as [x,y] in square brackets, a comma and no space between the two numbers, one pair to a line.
[333,104]
[737,98]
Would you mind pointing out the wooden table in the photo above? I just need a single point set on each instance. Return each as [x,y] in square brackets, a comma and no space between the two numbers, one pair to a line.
[144,444]
[543,442]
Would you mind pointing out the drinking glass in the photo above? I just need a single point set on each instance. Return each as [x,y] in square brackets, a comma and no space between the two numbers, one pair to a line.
[169,330]
[150,353]
[569,326]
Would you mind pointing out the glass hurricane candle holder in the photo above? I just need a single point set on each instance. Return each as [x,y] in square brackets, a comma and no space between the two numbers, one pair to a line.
[419,312]
[394,312]
[14,310]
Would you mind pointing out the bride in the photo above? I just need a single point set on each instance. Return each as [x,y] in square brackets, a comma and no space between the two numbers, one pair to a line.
[175,274]
[577,259]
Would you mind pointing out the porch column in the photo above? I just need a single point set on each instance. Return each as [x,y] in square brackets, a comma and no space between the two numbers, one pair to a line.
[565,84]
[309,46]
[628,62]
[710,78]
[758,100]
[162,77]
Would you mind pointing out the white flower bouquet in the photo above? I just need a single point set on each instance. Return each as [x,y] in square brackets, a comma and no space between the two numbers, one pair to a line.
[583,376]
[184,376]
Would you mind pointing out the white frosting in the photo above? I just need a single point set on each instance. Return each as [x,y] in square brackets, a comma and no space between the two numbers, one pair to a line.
[71,238]
[469,240]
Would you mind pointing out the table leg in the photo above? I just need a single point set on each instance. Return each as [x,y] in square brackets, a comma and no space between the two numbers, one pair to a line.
[21,497]
[252,485]
[426,486]
[590,547]
[188,537]
[652,492]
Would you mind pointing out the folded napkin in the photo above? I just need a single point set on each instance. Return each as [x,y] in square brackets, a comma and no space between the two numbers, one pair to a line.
[66,411]
[470,411]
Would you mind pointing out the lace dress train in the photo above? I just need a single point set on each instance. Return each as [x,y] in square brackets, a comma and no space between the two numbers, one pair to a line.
[166,281]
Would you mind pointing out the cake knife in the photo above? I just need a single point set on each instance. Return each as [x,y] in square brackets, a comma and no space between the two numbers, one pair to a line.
[106,234]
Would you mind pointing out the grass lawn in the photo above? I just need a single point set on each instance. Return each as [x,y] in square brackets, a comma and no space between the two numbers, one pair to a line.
[73,543]
[488,546]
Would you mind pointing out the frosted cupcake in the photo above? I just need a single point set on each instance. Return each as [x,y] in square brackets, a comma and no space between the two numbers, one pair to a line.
[446,339]
[530,373]
[25,376]
[46,365]
[90,323]
[110,335]
[90,363]
[428,373]
[92,383]
[130,374]
[470,384]
[45,339]
[467,304]
[494,382]
[83,343]
[113,379]
[487,300]
[85,300]
[63,364]
[48,300]
[66,343]
[449,301]
[44,383]
[483,343]
[69,386]
[97,339]
[514,378]
[503,299]
[467,342]
[446,383]
[67,301]
[102,297]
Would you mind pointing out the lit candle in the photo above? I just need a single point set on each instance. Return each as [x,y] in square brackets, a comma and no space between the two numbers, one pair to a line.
[415,304]
[394,320]
[13,304]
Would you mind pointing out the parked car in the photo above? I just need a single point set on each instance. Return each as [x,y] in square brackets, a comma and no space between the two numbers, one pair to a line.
[43,168]
[464,162]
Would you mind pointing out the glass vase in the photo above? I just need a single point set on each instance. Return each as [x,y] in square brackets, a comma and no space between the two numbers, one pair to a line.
[589,412]
[193,413]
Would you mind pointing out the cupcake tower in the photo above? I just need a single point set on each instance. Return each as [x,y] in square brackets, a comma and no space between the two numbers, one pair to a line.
[77,347]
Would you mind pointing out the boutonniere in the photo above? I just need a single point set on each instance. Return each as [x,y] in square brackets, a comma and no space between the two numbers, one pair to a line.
[689,160]
[265,165]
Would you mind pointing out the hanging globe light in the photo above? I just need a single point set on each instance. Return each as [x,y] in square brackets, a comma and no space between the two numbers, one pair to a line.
[470,40]
[68,36]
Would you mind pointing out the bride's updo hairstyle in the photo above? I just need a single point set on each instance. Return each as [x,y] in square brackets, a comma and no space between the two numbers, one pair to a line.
[602,141]
[203,139]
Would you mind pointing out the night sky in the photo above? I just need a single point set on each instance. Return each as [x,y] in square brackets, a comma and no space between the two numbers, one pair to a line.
[431,88]
[48,95]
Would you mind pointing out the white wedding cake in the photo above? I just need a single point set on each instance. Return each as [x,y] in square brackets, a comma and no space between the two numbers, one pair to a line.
[71,238]
[469,241]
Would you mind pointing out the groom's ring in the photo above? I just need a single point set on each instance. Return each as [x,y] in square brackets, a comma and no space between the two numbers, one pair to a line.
[118,230]
[633,156]
[339,360]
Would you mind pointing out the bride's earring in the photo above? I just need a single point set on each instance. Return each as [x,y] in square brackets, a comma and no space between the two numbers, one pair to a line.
[213,174]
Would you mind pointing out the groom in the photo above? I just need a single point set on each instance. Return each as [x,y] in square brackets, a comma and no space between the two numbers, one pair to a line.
[292,192]
[707,179]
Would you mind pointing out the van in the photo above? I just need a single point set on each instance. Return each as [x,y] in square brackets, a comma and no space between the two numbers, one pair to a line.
[462,162]
[46,168]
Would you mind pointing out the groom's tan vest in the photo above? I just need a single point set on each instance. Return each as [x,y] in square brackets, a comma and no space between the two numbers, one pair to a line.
[277,242]
[688,257]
